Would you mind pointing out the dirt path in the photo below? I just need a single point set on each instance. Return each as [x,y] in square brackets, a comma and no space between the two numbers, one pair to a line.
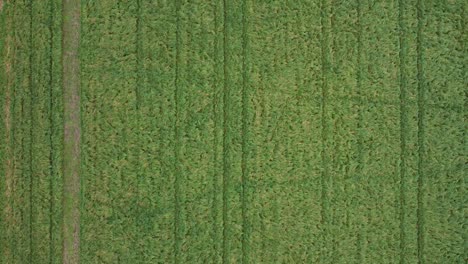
[72,132]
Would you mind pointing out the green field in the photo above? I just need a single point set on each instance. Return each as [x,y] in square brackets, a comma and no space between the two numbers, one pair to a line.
[233,131]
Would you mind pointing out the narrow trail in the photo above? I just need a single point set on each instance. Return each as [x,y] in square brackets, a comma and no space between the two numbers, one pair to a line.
[72,131]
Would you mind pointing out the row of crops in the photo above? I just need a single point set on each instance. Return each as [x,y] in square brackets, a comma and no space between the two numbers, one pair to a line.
[237,131]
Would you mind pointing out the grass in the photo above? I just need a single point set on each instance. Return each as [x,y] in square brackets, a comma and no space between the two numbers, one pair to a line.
[233,131]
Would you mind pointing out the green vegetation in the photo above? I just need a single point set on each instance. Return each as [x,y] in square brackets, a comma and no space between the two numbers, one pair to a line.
[233,131]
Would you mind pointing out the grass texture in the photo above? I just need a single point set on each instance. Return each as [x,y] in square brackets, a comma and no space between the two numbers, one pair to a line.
[233,131]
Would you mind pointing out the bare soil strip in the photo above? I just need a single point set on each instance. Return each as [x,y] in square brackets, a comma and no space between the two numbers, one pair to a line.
[72,132]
